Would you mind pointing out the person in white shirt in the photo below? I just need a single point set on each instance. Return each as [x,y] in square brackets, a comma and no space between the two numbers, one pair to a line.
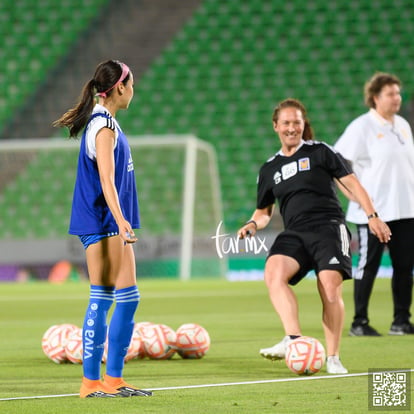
[379,144]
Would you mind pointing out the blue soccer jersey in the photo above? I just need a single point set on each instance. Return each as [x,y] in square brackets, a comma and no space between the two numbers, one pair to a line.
[90,212]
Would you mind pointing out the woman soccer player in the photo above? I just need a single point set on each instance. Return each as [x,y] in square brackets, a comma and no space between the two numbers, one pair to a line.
[104,214]
[301,178]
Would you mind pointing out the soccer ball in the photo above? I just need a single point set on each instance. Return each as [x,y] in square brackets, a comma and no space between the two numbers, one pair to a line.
[159,341]
[73,347]
[54,341]
[135,349]
[305,355]
[193,341]
[140,328]
[138,341]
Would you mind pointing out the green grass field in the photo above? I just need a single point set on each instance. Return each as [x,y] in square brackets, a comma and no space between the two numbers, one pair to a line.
[240,320]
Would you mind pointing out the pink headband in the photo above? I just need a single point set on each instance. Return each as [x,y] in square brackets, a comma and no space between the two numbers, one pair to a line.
[125,71]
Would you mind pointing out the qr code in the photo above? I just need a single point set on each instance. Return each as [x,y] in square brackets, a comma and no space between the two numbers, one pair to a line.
[389,389]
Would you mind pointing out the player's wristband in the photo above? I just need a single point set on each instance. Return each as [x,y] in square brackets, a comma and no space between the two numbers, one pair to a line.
[373,215]
[251,221]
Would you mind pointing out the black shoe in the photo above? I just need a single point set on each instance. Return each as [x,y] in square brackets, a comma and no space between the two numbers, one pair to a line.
[135,392]
[363,330]
[102,394]
[403,329]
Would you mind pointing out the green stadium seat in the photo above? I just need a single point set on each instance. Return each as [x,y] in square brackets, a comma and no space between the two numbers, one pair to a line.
[247,61]
[35,52]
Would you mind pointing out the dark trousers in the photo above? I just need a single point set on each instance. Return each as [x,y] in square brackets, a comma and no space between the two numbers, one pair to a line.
[401,249]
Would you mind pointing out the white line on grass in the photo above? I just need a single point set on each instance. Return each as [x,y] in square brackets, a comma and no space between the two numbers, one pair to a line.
[34,397]
[223,384]
[226,384]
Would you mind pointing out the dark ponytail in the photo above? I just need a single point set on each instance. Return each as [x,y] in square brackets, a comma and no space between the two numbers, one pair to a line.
[106,76]
[75,119]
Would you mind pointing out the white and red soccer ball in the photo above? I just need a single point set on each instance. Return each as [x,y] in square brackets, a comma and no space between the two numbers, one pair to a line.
[305,355]
[136,347]
[159,341]
[73,347]
[137,341]
[54,341]
[193,341]
[134,351]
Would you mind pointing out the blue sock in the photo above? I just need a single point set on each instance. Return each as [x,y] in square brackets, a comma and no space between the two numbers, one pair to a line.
[120,329]
[95,328]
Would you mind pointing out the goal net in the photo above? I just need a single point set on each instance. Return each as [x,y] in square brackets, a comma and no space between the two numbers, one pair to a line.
[179,197]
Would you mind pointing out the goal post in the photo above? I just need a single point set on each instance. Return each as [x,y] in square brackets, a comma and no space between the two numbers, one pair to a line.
[201,193]
[179,196]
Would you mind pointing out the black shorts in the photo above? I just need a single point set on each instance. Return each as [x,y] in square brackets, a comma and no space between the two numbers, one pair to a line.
[326,247]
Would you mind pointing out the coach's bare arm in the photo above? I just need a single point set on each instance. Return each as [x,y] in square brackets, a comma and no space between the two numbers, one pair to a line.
[260,219]
[357,191]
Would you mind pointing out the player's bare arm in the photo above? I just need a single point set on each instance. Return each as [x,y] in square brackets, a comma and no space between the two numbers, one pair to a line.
[260,219]
[359,194]
[106,164]
[344,190]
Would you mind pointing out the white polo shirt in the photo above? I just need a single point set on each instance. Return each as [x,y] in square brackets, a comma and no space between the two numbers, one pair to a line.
[382,155]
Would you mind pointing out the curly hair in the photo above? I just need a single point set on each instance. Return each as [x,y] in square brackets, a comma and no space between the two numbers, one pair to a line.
[373,86]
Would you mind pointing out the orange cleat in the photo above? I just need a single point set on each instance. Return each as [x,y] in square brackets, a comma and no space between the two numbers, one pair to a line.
[98,389]
[121,386]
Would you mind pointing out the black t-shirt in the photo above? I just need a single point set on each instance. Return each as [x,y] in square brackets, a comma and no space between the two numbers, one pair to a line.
[303,185]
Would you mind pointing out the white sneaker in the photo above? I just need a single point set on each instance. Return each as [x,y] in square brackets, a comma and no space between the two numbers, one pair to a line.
[277,351]
[334,366]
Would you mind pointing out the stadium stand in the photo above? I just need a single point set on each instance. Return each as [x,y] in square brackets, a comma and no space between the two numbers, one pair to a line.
[34,37]
[225,70]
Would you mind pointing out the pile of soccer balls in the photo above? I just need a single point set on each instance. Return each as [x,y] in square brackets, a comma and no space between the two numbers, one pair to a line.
[63,343]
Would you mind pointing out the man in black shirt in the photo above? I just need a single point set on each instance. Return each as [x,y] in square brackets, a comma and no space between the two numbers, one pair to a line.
[301,177]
